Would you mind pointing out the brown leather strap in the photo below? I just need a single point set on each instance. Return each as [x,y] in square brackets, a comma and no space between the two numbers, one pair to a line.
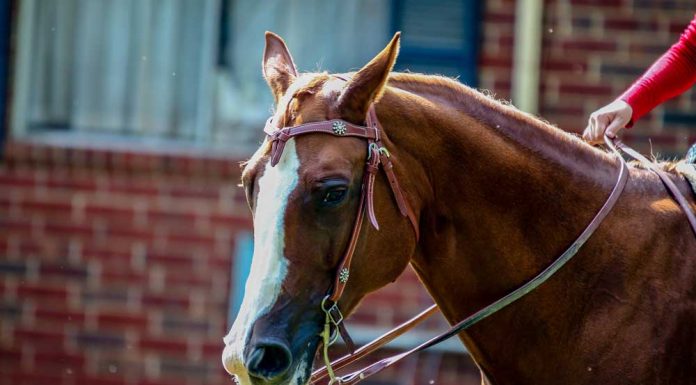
[338,127]
[664,177]
[384,339]
[343,271]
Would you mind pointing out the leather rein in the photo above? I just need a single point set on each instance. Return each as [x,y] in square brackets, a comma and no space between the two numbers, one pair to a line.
[378,155]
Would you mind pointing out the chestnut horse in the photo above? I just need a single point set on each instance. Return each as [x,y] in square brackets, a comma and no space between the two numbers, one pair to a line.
[498,195]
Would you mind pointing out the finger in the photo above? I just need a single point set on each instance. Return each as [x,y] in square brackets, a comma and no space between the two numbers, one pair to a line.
[614,128]
[600,127]
[589,133]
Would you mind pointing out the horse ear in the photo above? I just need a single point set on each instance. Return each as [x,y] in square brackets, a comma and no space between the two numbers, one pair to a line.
[278,67]
[367,85]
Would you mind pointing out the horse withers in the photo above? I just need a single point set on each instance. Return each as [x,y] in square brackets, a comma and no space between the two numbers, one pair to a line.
[497,195]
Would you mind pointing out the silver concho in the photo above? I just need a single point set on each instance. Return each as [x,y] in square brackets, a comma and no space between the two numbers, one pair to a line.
[343,275]
[339,128]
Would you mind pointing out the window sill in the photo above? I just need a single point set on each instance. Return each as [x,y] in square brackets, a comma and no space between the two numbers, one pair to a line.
[122,154]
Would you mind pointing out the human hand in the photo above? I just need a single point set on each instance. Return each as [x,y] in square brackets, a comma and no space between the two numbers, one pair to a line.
[608,119]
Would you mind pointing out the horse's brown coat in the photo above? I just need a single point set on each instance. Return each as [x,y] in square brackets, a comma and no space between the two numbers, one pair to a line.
[499,195]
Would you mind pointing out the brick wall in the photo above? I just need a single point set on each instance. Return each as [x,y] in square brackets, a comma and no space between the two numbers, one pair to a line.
[114,267]
[592,51]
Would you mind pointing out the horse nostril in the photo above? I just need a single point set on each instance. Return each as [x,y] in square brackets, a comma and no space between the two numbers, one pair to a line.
[268,360]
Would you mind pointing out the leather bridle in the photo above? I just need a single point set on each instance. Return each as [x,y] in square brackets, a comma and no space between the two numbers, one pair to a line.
[378,155]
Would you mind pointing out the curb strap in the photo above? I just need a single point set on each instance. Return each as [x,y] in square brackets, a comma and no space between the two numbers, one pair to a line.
[570,252]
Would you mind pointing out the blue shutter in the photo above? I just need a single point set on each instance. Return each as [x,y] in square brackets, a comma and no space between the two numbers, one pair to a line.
[439,36]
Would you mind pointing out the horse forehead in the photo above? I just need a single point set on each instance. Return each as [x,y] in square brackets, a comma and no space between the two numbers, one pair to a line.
[324,153]
[327,91]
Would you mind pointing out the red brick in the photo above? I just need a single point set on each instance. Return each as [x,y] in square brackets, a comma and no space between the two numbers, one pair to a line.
[70,182]
[183,278]
[54,360]
[191,190]
[168,300]
[22,226]
[33,206]
[33,378]
[63,271]
[661,139]
[168,381]
[83,379]
[109,211]
[168,218]
[130,233]
[212,349]
[585,89]
[10,356]
[34,336]
[590,45]
[600,3]
[16,180]
[68,229]
[573,110]
[575,66]
[234,222]
[499,17]
[123,276]
[191,238]
[110,320]
[629,23]
[108,251]
[132,186]
[59,313]
[163,345]
[41,291]
[495,61]
[677,27]
[184,261]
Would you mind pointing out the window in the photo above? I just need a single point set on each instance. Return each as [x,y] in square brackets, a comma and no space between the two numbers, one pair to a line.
[440,36]
[127,68]
[188,71]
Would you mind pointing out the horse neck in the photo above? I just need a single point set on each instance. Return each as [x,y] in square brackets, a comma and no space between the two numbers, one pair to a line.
[501,195]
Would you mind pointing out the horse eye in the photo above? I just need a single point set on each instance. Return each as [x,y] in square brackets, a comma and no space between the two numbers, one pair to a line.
[334,196]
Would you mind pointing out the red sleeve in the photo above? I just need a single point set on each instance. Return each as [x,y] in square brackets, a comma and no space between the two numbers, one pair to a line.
[669,76]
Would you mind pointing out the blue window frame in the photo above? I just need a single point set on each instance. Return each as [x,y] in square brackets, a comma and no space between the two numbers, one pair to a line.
[241,264]
[5,11]
[440,36]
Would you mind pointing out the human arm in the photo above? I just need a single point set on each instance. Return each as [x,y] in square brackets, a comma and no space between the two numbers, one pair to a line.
[672,74]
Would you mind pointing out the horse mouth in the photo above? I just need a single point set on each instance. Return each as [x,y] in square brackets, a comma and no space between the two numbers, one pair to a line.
[298,374]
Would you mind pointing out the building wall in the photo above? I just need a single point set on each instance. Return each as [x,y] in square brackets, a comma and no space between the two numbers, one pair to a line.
[114,265]
[592,51]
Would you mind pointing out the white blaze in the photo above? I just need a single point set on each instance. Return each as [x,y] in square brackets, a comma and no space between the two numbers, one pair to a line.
[268,266]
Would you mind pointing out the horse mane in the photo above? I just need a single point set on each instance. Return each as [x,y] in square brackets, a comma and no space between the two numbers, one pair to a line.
[468,98]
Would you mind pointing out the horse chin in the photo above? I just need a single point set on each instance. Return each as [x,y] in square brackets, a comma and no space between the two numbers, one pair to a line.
[299,374]
[302,371]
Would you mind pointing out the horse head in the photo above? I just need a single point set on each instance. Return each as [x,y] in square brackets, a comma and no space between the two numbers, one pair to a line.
[304,205]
